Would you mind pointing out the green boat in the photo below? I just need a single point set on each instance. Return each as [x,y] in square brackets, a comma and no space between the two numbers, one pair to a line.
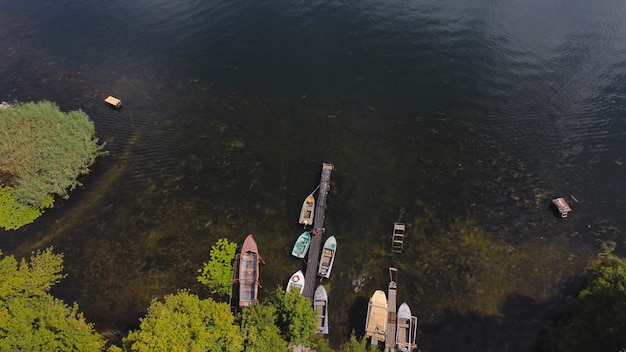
[302,245]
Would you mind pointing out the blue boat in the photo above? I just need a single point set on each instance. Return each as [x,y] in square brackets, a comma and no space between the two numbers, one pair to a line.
[302,245]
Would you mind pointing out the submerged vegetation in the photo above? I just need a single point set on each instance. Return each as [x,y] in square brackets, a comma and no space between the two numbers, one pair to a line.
[43,151]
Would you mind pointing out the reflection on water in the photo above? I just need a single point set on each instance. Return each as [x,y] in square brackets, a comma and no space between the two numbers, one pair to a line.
[443,122]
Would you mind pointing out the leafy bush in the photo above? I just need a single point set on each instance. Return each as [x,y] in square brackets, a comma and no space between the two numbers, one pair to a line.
[33,320]
[596,319]
[44,150]
[184,322]
[217,273]
[296,319]
[259,330]
[14,214]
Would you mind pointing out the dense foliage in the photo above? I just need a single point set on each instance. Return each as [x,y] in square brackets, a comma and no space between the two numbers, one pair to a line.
[33,320]
[184,322]
[42,153]
[217,273]
[13,213]
[259,330]
[596,319]
[296,319]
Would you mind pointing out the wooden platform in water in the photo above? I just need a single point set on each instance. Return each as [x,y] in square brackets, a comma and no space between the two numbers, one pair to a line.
[562,206]
[316,241]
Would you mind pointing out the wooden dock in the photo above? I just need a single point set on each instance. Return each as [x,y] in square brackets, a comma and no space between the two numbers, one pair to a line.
[318,226]
[390,331]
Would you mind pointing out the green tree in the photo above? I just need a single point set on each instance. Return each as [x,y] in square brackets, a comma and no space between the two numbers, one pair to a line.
[184,322]
[33,320]
[259,330]
[596,319]
[217,273]
[43,151]
[296,318]
[355,345]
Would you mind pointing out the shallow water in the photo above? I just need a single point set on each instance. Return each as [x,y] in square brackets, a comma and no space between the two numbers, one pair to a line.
[460,120]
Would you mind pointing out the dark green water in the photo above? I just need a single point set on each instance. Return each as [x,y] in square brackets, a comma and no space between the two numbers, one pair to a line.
[460,120]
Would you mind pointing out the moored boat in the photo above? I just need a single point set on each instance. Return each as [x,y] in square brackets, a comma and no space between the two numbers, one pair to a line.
[406,329]
[328,257]
[320,305]
[248,272]
[301,246]
[376,317]
[296,282]
[307,211]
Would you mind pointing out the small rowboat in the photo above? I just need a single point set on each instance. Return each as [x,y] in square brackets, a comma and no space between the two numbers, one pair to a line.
[376,317]
[248,272]
[296,282]
[328,257]
[320,305]
[301,246]
[406,329]
[308,208]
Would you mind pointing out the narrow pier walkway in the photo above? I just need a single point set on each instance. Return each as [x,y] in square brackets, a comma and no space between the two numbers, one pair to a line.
[390,332]
[310,277]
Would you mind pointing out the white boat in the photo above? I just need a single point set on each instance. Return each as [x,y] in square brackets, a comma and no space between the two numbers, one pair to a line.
[376,317]
[406,329]
[307,211]
[320,305]
[296,282]
[328,257]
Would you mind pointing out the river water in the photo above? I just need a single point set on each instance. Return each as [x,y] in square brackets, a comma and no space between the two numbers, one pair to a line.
[461,119]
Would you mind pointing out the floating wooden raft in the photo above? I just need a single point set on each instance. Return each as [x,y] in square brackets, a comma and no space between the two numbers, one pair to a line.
[113,101]
[562,206]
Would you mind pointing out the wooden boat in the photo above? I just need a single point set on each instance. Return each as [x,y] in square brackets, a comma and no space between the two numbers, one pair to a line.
[308,208]
[328,257]
[301,246]
[320,305]
[406,329]
[296,282]
[248,272]
[376,317]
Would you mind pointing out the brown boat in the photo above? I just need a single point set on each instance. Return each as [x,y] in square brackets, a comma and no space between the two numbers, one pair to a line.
[248,273]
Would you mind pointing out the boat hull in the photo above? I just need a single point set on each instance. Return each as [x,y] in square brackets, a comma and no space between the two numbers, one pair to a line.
[328,257]
[375,324]
[296,282]
[404,329]
[248,272]
[320,305]
[301,246]
[307,211]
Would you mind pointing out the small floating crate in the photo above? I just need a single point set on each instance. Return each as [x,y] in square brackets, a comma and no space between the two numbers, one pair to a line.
[113,102]
[562,206]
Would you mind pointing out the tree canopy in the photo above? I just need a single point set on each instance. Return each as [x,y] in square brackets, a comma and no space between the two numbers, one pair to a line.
[259,330]
[296,319]
[33,320]
[217,273]
[43,151]
[596,319]
[184,322]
